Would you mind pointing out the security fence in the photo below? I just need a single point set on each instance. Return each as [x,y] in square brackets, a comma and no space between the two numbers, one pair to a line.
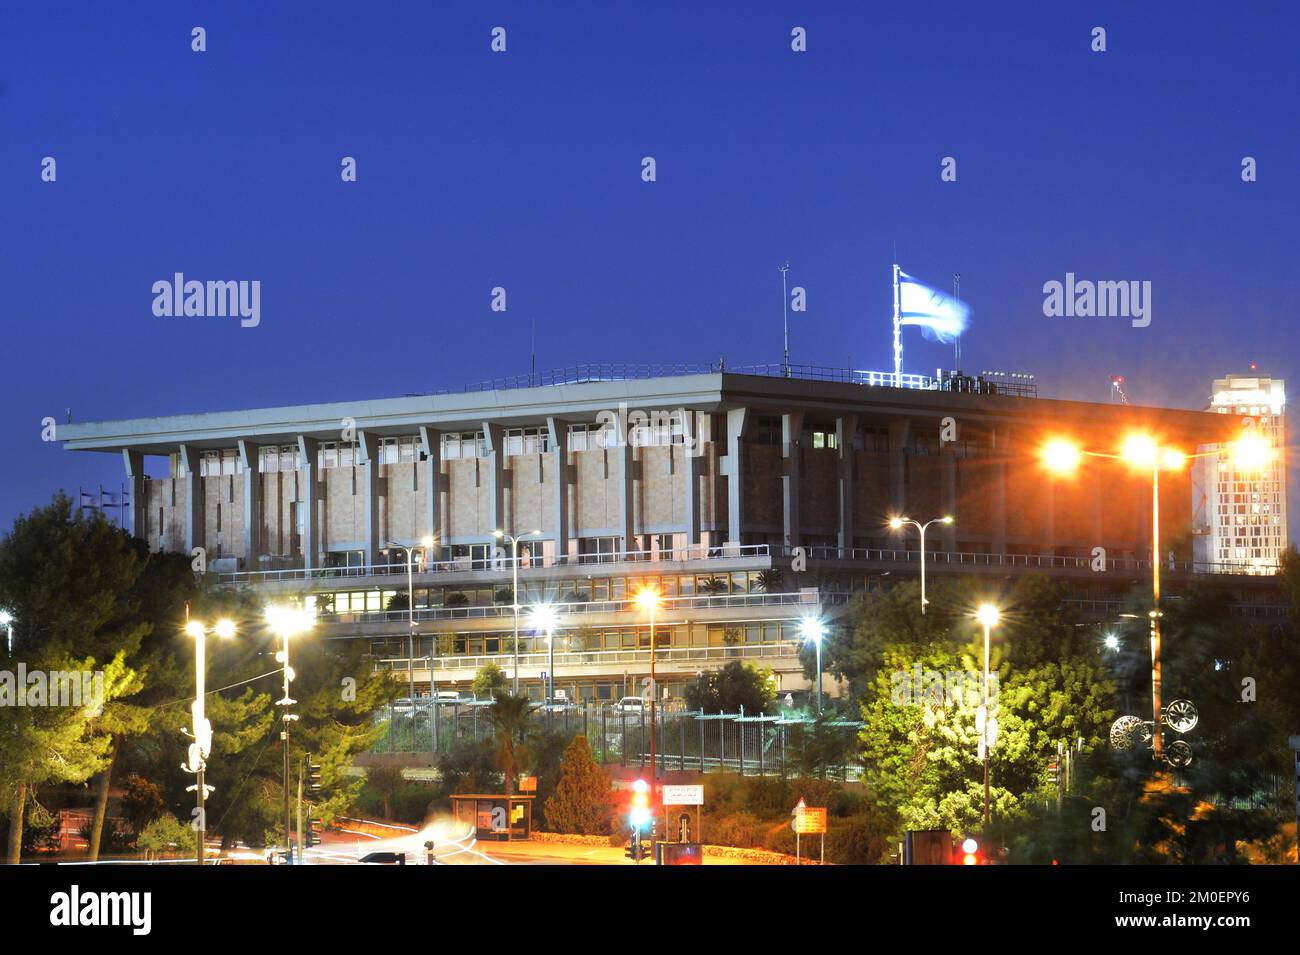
[777,744]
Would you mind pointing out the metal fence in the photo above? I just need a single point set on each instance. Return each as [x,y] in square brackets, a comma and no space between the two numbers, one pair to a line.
[751,745]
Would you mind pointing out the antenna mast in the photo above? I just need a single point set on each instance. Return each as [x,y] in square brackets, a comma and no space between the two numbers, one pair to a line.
[785,321]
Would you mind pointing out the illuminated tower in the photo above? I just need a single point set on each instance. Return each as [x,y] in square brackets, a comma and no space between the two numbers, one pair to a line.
[1240,516]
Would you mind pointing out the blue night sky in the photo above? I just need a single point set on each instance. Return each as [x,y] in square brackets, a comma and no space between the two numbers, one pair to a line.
[522,170]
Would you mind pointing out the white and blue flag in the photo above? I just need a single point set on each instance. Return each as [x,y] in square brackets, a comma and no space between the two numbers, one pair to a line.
[940,317]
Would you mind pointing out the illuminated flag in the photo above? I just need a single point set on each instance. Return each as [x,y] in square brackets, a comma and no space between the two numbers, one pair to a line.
[940,317]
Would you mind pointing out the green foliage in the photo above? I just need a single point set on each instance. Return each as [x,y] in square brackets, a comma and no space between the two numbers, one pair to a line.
[513,732]
[727,689]
[384,781]
[167,836]
[488,680]
[581,802]
[142,802]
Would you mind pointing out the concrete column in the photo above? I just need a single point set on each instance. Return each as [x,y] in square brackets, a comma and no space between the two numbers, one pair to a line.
[691,467]
[625,468]
[307,497]
[431,444]
[791,464]
[998,506]
[249,457]
[1049,518]
[495,436]
[190,457]
[846,433]
[900,430]
[1098,522]
[948,500]
[136,487]
[737,420]
[368,451]
[558,433]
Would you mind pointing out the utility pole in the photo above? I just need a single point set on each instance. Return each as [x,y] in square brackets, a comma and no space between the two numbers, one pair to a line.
[785,321]
[301,844]
[956,293]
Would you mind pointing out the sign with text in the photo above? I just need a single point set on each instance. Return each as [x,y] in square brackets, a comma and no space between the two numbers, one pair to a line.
[683,795]
[810,820]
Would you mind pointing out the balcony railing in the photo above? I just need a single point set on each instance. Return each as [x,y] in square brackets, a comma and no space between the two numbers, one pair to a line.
[1038,561]
[499,564]
[804,599]
[599,658]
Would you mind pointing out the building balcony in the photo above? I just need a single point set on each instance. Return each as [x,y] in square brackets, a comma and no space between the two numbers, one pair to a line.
[467,570]
[782,657]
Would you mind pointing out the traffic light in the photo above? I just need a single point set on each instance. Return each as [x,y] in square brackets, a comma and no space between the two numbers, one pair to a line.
[970,852]
[638,817]
[639,812]
[312,836]
[1054,769]
[635,849]
[313,776]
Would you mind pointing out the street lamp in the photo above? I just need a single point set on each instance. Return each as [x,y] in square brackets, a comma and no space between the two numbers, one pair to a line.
[201,728]
[813,629]
[426,544]
[7,621]
[514,591]
[986,723]
[286,622]
[1144,452]
[897,523]
[543,618]
[648,599]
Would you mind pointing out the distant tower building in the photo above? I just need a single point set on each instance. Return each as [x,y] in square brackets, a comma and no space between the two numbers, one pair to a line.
[1240,516]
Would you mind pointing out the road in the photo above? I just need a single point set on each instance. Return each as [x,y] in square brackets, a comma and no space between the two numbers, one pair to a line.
[455,844]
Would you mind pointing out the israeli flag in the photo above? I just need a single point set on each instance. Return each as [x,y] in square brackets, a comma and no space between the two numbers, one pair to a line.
[941,318]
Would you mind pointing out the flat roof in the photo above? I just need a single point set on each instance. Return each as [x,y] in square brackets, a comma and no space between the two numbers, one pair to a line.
[583,400]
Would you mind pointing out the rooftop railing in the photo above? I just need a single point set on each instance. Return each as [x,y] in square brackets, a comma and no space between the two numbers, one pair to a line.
[989,382]
[1037,561]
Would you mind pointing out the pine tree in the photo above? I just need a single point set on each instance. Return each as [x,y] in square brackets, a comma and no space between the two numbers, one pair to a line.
[582,797]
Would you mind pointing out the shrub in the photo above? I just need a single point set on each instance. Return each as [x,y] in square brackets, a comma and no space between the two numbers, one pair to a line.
[581,802]
[167,836]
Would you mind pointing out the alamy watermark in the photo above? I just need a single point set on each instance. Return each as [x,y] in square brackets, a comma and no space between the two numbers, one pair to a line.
[210,299]
[74,688]
[941,688]
[1084,298]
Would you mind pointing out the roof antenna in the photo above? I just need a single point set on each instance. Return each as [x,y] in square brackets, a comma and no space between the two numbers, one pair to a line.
[785,322]
[532,368]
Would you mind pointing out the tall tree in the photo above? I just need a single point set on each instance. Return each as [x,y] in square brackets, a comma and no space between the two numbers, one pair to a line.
[512,730]
[581,801]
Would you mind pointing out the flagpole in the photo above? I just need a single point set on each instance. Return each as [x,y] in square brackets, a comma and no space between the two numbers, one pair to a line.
[898,335]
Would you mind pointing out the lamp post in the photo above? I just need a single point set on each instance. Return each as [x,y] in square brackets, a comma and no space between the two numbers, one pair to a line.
[287,622]
[988,615]
[201,728]
[425,544]
[897,523]
[813,629]
[514,591]
[7,621]
[648,599]
[1145,453]
[543,618]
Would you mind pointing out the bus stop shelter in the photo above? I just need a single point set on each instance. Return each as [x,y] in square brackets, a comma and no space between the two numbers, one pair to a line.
[495,817]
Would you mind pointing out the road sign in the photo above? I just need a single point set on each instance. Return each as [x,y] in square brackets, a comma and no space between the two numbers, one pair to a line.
[528,784]
[683,795]
[810,820]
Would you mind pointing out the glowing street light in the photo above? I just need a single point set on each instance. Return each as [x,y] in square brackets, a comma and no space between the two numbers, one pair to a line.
[201,728]
[1111,641]
[514,590]
[426,543]
[813,629]
[543,619]
[287,622]
[989,616]
[897,523]
[1145,452]
[648,599]
[7,621]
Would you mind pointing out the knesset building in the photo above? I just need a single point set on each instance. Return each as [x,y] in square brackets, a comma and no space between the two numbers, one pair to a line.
[751,498]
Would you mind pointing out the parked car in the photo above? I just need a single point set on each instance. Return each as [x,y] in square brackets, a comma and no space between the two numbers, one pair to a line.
[631,704]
